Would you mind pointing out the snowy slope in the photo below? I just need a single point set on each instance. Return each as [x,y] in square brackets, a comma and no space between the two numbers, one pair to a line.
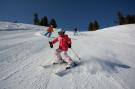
[107,58]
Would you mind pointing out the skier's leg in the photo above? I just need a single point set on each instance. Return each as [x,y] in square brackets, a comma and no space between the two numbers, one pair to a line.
[68,59]
[58,55]
[50,34]
[46,33]
[77,33]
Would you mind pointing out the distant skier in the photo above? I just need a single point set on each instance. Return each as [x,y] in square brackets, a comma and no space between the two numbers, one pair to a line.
[64,44]
[49,31]
[75,31]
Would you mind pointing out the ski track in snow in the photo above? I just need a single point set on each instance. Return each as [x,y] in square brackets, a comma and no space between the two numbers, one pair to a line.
[103,63]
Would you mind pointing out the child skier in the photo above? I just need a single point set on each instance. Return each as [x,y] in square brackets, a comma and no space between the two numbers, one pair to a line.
[64,44]
[49,31]
[75,31]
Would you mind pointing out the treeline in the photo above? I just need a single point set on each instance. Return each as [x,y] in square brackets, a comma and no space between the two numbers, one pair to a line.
[120,20]
[44,21]
[93,25]
[128,19]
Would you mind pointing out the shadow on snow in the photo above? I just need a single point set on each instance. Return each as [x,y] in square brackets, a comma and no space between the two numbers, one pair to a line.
[95,65]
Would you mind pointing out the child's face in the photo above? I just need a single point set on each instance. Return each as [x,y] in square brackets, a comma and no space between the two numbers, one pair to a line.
[51,25]
[60,33]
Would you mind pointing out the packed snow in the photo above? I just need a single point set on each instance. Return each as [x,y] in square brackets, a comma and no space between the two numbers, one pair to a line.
[107,58]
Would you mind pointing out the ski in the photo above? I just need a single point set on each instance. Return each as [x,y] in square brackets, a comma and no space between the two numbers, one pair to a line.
[52,65]
[62,72]
[65,71]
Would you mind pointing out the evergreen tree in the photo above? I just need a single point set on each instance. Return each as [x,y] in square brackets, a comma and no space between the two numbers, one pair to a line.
[90,28]
[134,19]
[44,21]
[41,22]
[93,26]
[96,25]
[53,22]
[121,19]
[131,19]
[36,19]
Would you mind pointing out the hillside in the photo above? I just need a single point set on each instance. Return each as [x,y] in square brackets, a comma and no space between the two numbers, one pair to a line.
[107,58]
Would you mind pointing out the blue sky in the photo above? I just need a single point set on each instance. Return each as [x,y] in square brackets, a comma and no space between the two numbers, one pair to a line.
[68,13]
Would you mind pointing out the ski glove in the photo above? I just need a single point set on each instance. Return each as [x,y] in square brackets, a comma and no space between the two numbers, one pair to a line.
[69,46]
[51,45]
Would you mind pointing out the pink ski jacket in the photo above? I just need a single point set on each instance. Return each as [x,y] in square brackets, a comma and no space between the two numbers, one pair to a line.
[64,41]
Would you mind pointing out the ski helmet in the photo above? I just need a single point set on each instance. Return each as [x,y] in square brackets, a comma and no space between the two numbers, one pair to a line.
[62,31]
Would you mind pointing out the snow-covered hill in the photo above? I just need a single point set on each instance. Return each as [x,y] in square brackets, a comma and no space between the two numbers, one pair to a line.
[107,58]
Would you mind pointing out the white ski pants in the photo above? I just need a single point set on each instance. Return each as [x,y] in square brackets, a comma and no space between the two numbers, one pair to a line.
[65,55]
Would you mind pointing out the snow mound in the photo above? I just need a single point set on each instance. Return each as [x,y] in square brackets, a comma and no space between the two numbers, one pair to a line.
[19,26]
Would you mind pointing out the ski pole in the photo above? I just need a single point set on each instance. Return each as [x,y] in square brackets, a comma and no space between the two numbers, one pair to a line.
[76,54]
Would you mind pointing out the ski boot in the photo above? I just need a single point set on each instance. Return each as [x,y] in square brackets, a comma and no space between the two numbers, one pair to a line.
[61,61]
[73,64]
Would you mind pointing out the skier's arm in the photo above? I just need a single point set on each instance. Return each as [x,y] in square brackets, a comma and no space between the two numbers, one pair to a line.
[69,43]
[55,40]
[51,45]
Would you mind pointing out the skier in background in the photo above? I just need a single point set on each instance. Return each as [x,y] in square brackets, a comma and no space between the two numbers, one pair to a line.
[75,31]
[64,44]
[49,31]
